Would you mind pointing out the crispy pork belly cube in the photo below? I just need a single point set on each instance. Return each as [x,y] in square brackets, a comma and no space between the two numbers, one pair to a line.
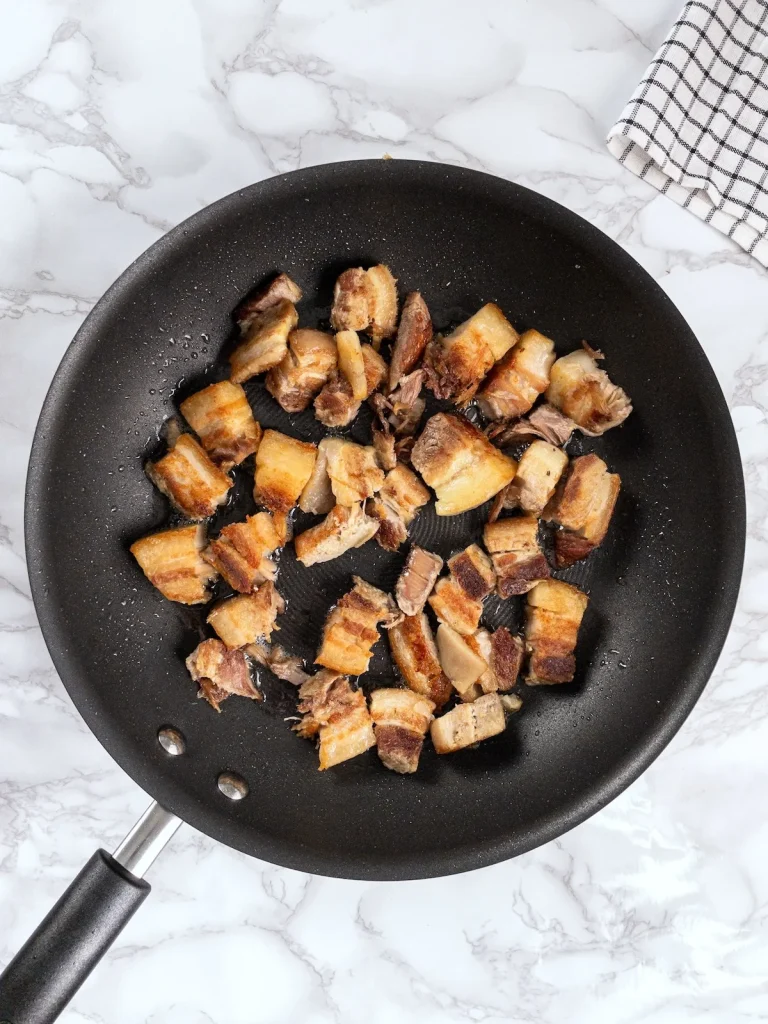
[545,422]
[283,467]
[350,301]
[458,599]
[553,616]
[172,561]
[221,417]
[481,644]
[350,629]
[265,342]
[382,303]
[514,384]
[586,394]
[277,290]
[451,605]
[188,478]
[384,446]
[538,472]
[503,655]
[221,673]
[337,715]
[507,651]
[415,653]
[335,406]
[415,582]
[246,618]
[460,464]
[583,506]
[350,362]
[463,665]
[305,369]
[473,571]
[458,362]
[468,724]
[241,553]
[353,470]
[345,527]
[413,335]
[366,300]
[396,506]
[317,496]
[400,720]
[517,558]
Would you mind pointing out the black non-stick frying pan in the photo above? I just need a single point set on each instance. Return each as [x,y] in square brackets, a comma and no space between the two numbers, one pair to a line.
[662,587]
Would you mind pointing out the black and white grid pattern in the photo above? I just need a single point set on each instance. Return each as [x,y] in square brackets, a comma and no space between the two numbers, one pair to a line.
[695,127]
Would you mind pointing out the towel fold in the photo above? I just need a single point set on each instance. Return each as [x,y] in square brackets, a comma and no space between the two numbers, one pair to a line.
[696,126]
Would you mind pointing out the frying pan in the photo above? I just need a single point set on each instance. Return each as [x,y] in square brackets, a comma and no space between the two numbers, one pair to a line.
[662,587]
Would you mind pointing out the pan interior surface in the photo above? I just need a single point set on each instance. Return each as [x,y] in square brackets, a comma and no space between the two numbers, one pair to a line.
[662,587]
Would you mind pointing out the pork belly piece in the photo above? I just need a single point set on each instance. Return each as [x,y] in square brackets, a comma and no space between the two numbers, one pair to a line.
[351,364]
[306,368]
[458,461]
[415,653]
[400,721]
[384,446]
[317,496]
[265,341]
[553,616]
[545,422]
[517,380]
[461,663]
[244,619]
[220,673]
[345,527]
[415,582]
[221,417]
[401,496]
[502,653]
[538,472]
[583,505]
[188,478]
[283,468]
[586,394]
[353,470]
[337,715]
[241,553]
[507,652]
[366,300]
[172,561]
[350,628]
[457,363]
[516,555]
[414,333]
[458,599]
[282,664]
[277,290]
[468,724]
[335,406]
[400,412]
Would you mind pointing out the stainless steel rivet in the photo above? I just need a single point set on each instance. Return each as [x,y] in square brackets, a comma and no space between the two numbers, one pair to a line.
[232,786]
[171,740]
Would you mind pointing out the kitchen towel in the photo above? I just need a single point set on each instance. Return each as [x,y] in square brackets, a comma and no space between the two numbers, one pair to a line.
[697,125]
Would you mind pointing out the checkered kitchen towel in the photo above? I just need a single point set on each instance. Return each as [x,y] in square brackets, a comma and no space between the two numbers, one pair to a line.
[697,125]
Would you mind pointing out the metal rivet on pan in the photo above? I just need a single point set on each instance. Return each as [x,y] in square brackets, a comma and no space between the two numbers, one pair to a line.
[232,786]
[171,740]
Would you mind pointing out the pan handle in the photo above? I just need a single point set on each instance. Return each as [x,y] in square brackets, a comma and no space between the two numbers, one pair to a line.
[54,962]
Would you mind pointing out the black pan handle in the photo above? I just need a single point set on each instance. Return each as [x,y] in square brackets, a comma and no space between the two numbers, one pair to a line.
[52,965]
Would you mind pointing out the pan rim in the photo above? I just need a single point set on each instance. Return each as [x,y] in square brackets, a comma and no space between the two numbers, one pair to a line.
[450,861]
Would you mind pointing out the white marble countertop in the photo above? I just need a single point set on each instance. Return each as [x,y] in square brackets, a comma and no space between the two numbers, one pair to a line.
[117,120]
